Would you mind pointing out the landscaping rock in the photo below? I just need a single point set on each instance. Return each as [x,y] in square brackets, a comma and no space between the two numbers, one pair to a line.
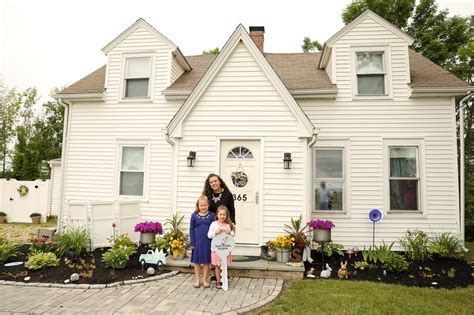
[150,271]
[74,277]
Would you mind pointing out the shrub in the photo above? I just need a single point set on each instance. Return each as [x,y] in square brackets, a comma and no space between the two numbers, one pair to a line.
[415,244]
[331,248]
[76,237]
[396,263]
[382,252]
[117,257]
[8,250]
[446,245]
[122,240]
[361,265]
[41,260]
[35,214]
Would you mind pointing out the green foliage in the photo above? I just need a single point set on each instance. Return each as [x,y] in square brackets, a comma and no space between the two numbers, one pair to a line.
[175,228]
[361,265]
[76,237]
[311,45]
[446,245]
[415,244]
[3,240]
[8,250]
[214,51]
[395,262]
[117,257]
[10,102]
[331,249]
[122,240]
[296,228]
[160,243]
[41,260]
[452,273]
[383,252]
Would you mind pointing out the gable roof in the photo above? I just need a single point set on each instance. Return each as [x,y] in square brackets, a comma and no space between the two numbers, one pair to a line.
[240,35]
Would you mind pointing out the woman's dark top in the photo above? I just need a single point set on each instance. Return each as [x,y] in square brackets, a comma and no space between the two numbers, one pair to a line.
[224,198]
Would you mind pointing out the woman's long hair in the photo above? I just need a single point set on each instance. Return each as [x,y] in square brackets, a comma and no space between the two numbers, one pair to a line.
[207,191]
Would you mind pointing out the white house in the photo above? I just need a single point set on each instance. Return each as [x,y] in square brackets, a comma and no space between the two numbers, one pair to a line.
[367,123]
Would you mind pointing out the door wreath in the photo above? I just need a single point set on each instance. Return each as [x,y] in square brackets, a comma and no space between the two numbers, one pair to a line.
[22,190]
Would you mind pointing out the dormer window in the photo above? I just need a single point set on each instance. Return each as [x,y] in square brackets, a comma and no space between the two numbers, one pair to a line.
[370,73]
[137,77]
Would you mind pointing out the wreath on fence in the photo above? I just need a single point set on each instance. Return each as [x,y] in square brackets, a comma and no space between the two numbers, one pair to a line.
[22,190]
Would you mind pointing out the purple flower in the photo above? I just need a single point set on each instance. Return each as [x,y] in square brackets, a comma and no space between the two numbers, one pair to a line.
[321,224]
[149,227]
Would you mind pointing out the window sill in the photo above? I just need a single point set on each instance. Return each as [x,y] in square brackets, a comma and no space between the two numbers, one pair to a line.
[330,212]
[136,100]
[133,198]
[373,97]
[406,213]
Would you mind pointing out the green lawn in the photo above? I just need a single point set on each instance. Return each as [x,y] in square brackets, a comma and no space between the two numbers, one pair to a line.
[362,297]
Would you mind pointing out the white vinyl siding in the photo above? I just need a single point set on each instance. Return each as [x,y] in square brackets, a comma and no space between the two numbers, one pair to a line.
[56,181]
[176,70]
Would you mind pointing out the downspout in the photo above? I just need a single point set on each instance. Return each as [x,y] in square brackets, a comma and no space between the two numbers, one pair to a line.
[462,103]
[309,164]
[315,137]
[173,170]
[63,162]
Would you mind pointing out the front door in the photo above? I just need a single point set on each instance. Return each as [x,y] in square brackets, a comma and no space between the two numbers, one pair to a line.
[240,160]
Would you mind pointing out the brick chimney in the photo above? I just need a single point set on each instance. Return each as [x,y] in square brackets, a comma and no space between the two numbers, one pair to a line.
[257,35]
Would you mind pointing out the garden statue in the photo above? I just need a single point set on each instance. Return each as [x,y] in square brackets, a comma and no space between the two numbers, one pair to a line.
[156,257]
[343,272]
[327,272]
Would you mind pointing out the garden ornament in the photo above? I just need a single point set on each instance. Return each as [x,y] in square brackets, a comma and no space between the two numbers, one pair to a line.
[71,254]
[150,271]
[327,272]
[375,216]
[343,272]
[74,277]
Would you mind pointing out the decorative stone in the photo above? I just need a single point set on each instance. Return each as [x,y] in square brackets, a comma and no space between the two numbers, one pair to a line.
[27,278]
[434,283]
[150,271]
[74,277]
[66,281]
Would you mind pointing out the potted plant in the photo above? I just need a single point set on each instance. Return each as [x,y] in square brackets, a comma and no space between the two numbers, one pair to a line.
[321,229]
[148,231]
[178,248]
[175,231]
[283,245]
[298,237]
[35,217]
[3,217]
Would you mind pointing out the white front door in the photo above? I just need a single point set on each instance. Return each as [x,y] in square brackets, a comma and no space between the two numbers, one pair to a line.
[240,160]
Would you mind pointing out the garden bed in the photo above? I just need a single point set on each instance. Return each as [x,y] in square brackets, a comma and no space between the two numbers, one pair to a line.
[430,273]
[90,266]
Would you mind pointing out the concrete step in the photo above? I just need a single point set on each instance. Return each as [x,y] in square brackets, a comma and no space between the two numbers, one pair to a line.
[251,269]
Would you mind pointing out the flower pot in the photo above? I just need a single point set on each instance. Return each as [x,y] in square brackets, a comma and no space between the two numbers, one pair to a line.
[282,256]
[178,254]
[3,218]
[36,220]
[147,238]
[320,235]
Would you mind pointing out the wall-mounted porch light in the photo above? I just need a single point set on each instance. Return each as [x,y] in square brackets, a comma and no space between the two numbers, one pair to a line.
[191,158]
[287,160]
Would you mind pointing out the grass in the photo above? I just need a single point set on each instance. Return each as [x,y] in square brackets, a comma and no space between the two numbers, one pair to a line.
[470,253]
[362,297]
[22,232]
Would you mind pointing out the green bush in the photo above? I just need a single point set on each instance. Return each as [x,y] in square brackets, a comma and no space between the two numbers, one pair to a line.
[123,240]
[76,237]
[8,250]
[41,260]
[361,265]
[381,253]
[396,263]
[117,257]
[415,244]
[446,245]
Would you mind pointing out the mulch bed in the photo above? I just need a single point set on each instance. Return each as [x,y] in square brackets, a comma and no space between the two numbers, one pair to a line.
[419,274]
[88,275]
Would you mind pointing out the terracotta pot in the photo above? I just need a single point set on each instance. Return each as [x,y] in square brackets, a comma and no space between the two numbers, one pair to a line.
[36,220]
[320,235]
[147,238]
[3,218]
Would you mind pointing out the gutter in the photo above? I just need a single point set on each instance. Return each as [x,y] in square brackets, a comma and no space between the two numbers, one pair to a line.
[462,103]
[174,171]
[67,114]
[438,92]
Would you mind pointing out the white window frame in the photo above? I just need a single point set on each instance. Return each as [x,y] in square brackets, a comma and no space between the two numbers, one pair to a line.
[146,168]
[385,50]
[123,85]
[420,164]
[331,144]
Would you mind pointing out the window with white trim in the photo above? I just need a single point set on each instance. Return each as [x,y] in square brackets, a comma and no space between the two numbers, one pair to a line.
[370,70]
[329,179]
[132,171]
[404,180]
[137,77]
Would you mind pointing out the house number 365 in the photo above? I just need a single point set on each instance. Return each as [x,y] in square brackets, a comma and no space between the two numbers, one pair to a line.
[240,197]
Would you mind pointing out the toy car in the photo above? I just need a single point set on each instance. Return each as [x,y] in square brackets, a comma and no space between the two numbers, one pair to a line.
[156,257]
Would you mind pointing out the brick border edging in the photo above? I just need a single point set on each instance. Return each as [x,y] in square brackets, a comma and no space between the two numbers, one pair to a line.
[88,286]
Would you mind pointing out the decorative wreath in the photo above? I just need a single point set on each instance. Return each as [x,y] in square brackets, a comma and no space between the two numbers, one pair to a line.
[22,190]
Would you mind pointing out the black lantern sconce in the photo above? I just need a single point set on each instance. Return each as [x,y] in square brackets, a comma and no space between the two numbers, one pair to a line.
[191,158]
[287,160]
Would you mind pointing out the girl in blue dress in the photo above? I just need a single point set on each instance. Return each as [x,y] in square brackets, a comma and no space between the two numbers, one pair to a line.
[201,219]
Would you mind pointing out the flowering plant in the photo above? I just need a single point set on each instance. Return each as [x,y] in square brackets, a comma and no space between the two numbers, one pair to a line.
[283,243]
[270,245]
[321,224]
[177,244]
[149,227]
[41,244]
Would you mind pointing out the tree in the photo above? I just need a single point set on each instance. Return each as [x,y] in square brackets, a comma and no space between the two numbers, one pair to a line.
[311,45]
[214,51]
[9,106]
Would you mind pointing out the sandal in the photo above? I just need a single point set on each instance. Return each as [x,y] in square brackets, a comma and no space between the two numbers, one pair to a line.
[219,285]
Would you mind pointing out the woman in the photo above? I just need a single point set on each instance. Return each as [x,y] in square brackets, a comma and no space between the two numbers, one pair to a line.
[218,194]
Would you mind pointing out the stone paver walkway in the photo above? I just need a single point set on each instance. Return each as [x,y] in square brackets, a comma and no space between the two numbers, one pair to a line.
[174,295]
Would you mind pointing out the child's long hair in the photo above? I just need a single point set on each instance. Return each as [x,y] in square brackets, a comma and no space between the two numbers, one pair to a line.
[227,218]
[201,198]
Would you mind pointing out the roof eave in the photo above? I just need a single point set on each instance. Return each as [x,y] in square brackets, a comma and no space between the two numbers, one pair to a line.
[314,93]
[439,91]
[81,96]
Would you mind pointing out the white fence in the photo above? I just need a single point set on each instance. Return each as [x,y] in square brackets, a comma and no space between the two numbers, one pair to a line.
[18,208]
[97,218]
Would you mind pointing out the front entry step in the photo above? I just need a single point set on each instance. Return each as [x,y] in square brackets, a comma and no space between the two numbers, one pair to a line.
[250,269]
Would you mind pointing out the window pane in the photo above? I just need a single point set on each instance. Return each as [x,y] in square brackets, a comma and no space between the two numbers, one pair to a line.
[373,84]
[132,158]
[329,195]
[403,194]
[329,163]
[136,87]
[403,162]
[138,67]
[131,183]
[369,63]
